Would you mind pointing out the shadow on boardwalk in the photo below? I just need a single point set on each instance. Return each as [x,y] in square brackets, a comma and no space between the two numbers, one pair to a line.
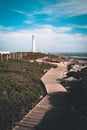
[54,118]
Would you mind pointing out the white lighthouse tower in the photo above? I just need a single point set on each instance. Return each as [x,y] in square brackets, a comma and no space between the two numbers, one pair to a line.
[33,43]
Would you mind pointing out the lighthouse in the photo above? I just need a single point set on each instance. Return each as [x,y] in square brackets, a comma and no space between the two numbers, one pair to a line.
[33,43]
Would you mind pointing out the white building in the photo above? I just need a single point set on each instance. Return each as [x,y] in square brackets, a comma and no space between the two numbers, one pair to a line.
[33,44]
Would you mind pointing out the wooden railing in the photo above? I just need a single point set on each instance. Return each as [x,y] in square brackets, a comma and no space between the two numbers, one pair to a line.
[13,56]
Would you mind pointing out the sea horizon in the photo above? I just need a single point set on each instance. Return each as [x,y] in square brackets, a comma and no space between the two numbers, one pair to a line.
[73,54]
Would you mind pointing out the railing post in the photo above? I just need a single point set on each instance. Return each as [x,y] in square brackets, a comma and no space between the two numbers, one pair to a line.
[1,57]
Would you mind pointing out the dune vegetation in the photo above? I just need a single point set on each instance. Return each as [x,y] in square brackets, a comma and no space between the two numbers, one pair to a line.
[20,89]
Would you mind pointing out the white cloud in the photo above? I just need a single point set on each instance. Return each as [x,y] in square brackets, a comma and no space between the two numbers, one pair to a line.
[47,39]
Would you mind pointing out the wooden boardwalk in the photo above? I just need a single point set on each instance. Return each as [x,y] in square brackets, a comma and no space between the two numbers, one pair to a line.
[51,111]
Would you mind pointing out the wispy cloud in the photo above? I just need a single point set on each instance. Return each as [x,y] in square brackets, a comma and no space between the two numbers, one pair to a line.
[4,28]
[28,21]
[69,8]
[76,7]
[21,12]
[44,2]
[79,26]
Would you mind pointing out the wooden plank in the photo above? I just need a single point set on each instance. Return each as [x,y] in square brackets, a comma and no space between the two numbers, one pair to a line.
[25,125]
[29,122]
[21,128]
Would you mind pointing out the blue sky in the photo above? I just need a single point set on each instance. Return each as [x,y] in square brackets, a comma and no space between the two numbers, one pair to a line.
[58,25]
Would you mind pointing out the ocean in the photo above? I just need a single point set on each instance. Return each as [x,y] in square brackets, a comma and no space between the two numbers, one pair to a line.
[74,54]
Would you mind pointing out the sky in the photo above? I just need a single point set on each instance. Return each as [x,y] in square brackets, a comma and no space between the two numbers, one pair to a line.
[58,25]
